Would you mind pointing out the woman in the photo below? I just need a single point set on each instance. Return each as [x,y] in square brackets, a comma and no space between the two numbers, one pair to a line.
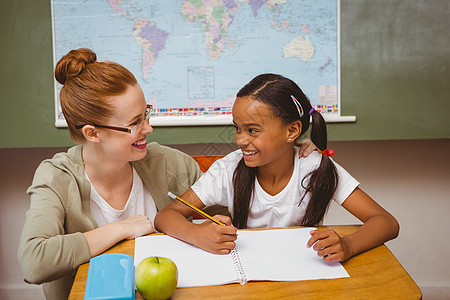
[107,188]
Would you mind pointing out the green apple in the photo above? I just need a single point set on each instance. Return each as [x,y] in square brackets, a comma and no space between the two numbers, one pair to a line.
[156,278]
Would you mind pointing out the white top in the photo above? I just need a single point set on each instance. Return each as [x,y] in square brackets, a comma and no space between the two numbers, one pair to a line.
[140,202]
[281,210]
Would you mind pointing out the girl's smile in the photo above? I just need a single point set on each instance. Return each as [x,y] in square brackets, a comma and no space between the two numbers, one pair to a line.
[249,155]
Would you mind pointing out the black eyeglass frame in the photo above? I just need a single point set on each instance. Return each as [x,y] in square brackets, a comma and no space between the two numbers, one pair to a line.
[124,129]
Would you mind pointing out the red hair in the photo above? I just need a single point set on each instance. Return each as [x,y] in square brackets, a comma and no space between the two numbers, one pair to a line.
[87,85]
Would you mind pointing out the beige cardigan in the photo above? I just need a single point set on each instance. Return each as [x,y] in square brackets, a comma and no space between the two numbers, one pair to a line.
[52,245]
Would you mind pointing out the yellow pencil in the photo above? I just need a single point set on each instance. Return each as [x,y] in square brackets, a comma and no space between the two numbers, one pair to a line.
[171,195]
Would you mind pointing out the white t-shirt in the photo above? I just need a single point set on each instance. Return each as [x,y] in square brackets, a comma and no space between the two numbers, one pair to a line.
[281,210]
[140,202]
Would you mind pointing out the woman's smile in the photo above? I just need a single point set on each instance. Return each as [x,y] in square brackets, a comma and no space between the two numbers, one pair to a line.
[141,144]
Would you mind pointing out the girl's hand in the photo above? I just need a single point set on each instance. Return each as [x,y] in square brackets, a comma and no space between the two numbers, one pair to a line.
[306,148]
[329,245]
[136,226]
[216,238]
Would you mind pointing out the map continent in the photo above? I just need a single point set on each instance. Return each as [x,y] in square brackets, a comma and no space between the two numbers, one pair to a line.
[152,41]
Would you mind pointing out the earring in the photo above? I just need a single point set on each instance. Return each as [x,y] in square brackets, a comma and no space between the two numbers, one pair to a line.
[289,139]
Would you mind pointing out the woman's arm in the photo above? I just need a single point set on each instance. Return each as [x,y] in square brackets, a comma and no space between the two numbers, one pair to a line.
[207,235]
[47,252]
[104,237]
[379,227]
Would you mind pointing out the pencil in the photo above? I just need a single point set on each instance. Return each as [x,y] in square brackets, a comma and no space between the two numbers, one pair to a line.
[171,195]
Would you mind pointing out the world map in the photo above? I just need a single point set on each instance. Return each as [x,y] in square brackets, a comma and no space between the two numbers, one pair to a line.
[192,56]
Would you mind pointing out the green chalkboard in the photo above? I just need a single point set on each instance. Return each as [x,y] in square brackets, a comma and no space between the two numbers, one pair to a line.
[395,75]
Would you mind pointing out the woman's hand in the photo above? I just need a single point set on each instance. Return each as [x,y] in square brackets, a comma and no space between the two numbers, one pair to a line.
[136,226]
[306,148]
[329,245]
[216,238]
[104,237]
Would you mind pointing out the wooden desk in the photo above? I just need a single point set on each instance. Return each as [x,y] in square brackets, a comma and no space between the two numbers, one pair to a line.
[374,274]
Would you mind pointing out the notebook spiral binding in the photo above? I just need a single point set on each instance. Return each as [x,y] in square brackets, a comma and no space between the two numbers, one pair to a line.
[238,267]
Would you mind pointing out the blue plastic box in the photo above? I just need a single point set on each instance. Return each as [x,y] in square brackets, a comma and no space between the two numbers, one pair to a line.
[110,276]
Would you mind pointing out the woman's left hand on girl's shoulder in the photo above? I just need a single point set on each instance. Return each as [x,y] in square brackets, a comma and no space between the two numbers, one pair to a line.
[329,245]
[306,148]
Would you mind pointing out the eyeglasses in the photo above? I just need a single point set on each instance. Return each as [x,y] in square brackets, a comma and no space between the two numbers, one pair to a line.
[136,125]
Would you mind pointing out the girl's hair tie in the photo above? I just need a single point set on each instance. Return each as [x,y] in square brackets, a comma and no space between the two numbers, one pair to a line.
[298,105]
[311,111]
[328,152]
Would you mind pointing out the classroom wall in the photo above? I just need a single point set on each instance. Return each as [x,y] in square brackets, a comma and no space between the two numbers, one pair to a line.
[408,178]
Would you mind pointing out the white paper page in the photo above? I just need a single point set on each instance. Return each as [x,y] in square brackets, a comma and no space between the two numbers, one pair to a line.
[282,255]
[195,266]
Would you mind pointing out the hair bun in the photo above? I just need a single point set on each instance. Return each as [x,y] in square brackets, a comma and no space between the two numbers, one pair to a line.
[73,63]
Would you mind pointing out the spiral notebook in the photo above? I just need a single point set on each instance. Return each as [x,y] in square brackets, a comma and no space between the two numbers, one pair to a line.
[260,255]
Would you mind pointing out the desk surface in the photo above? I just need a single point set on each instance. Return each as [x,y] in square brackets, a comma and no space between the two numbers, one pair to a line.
[374,274]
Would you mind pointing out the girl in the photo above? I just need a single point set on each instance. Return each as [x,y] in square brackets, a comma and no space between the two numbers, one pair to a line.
[265,184]
[107,188]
